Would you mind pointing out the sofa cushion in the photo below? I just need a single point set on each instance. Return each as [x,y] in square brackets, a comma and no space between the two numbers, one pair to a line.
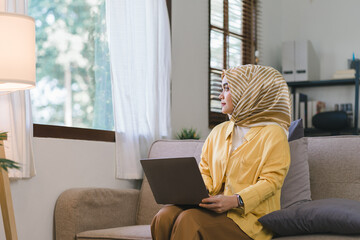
[296,187]
[128,232]
[340,216]
[162,149]
[296,130]
[334,167]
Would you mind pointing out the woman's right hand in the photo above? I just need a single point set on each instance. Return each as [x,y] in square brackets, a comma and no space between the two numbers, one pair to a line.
[219,203]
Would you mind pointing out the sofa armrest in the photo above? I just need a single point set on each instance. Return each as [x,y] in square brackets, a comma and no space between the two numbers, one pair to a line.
[83,209]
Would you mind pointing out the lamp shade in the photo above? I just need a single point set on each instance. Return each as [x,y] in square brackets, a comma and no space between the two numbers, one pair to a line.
[17,52]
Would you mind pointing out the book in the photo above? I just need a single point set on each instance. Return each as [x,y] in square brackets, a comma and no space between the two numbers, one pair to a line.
[314,107]
[344,74]
[346,71]
[310,113]
[303,114]
[300,98]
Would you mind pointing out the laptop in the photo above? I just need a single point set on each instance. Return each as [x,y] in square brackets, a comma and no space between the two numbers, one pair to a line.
[175,180]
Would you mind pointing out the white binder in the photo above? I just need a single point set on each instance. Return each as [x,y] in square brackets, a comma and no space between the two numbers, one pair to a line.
[306,62]
[299,61]
[288,61]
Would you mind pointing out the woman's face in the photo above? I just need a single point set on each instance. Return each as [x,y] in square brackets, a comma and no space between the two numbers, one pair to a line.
[225,97]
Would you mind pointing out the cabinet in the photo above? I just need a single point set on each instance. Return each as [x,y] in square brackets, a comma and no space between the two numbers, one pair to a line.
[339,82]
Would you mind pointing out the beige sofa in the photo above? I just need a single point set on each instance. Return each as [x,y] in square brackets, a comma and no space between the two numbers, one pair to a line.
[94,214]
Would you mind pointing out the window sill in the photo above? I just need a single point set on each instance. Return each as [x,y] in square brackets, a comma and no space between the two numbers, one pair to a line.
[50,131]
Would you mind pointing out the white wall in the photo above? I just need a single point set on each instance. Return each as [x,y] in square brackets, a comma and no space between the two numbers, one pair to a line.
[331,26]
[190,65]
[270,34]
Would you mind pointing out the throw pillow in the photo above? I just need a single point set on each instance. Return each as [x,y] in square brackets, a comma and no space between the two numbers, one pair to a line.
[341,216]
[296,130]
[296,187]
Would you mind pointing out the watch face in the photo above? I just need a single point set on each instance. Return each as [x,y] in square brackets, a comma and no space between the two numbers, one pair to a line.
[240,201]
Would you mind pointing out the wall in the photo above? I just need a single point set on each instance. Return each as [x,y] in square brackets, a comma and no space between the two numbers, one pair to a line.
[331,27]
[329,24]
[270,34]
[190,65]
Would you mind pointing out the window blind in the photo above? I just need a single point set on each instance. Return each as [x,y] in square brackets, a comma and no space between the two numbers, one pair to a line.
[233,39]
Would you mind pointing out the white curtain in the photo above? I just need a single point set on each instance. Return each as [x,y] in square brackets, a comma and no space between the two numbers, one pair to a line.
[16,118]
[140,55]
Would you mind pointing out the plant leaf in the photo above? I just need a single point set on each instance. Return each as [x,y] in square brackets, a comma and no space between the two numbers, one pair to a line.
[187,134]
[8,164]
[3,135]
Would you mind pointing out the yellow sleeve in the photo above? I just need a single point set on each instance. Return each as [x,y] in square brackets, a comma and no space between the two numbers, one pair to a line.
[204,166]
[276,161]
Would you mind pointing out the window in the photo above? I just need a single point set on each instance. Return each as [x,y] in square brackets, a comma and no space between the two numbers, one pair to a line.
[45,97]
[233,41]
[73,70]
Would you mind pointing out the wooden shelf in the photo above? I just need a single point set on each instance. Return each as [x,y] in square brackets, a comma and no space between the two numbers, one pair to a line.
[322,83]
[334,82]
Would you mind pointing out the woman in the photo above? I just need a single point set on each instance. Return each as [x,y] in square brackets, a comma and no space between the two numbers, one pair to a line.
[243,163]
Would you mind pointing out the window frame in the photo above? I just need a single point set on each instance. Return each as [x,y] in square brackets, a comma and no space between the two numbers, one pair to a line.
[54,131]
[248,38]
[64,132]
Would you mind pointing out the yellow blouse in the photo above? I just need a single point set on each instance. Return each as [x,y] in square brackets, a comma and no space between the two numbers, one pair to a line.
[255,170]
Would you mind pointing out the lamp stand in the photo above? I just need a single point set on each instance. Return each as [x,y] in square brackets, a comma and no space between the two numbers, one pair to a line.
[7,208]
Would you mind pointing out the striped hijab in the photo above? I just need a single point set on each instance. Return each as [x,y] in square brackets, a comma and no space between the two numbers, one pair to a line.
[259,95]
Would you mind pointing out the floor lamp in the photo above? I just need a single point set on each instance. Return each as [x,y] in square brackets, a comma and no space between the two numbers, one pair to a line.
[17,72]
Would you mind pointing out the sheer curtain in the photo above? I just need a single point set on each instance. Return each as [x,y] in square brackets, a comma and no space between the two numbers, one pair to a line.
[16,119]
[140,55]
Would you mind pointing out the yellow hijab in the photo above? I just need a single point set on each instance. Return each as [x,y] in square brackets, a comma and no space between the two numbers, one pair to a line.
[259,95]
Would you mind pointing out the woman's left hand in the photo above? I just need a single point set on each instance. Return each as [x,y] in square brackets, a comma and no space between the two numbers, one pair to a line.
[219,203]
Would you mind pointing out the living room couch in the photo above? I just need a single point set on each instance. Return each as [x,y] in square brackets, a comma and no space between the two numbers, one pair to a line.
[99,213]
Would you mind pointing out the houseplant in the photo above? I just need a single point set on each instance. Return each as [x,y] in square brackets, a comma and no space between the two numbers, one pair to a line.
[188,133]
[6,163]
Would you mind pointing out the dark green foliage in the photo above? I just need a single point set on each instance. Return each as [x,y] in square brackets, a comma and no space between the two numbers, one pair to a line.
[6,163]
[3,136]
[188,134]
